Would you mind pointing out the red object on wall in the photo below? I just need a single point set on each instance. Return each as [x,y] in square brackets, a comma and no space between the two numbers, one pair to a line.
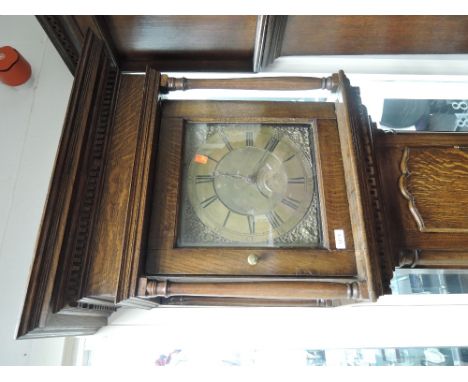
[14,69]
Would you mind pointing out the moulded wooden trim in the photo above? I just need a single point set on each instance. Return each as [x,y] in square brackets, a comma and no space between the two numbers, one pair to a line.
[101,29]
[362,184]
[437,259]
[421,138]
[403,186]
[259,46]
[188,64]
[59,265]
[268,41]
[97,123]
[140,190]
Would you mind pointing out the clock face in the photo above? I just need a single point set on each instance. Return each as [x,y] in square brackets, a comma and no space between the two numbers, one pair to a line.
[249,184]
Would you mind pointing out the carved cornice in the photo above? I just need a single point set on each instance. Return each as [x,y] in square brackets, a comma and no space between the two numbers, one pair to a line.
[60,31]
[371,227]
[88,199]
[373,183]
[67,34]
[60,260]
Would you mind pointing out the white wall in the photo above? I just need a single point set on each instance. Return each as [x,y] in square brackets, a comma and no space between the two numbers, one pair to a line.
[31,118]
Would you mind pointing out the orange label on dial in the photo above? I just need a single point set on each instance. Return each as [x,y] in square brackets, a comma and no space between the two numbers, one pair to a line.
[199,158]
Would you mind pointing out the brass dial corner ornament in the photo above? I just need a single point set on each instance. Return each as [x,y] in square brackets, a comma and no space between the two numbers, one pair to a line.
[250,184]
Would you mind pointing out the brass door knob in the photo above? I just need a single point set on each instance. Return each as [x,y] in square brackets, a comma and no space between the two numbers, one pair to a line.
[252,259]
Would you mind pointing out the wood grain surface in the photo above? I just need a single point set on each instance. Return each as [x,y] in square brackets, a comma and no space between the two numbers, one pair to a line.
[435,182]
[140,189]
[184,42]
[248,110]
[272,262]
[341,35]
[334,202]
[362,187]
[247,43]
[108,240]
[439,175]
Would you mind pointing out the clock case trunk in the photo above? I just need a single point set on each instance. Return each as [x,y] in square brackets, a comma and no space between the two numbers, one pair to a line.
[93,243]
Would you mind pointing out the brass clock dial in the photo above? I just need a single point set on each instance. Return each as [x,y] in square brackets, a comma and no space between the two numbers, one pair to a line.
[250,184]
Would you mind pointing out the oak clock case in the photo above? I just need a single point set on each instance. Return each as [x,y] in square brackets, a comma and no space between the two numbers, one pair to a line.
[110,234]
[128,174]
[236,181]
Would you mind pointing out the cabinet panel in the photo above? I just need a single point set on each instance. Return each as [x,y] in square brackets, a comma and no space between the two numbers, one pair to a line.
[424,181]
[434,181]
[341,35]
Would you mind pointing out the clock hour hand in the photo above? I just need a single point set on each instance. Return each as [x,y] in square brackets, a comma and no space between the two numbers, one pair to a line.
[269,148]
[248,179]
[259,165]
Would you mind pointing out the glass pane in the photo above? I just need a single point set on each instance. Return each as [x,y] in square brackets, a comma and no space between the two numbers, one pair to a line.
[134,351]
[426,114]
[429,281]
[250,185]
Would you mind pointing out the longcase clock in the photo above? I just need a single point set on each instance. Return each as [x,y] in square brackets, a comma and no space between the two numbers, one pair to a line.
[156,202]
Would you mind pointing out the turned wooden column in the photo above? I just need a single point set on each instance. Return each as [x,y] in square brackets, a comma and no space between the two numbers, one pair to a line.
[261,83]
[291,290]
